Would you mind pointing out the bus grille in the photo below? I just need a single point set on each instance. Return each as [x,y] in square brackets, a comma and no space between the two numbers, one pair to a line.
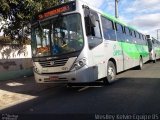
[54,63]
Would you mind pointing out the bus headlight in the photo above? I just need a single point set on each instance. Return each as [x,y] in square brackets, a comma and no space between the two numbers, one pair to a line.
[79,64]
[35,68]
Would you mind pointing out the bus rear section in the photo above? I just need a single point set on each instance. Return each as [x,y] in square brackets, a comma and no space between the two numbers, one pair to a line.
[153,48]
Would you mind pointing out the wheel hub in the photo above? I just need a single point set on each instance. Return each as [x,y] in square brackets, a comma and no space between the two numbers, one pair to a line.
[111,73]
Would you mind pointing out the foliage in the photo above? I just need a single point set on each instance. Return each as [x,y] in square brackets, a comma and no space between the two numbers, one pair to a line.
[15,16]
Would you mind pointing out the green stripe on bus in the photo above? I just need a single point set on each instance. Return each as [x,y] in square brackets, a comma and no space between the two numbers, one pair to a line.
[134,50]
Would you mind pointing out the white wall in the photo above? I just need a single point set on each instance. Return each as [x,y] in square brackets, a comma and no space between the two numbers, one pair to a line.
[14,57]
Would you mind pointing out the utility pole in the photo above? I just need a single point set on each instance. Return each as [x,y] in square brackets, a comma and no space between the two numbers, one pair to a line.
[116,8]
[157,34]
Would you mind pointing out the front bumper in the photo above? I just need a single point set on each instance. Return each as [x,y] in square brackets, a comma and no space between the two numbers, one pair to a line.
[83,75]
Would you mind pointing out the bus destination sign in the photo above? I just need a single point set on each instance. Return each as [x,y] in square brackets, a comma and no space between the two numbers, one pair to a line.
[57,10]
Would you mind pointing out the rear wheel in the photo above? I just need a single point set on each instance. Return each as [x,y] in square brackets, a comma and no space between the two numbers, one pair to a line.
[111,73]
[140,67]
[154,61]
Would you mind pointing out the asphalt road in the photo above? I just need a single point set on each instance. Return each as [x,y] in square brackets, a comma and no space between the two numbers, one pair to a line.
[134,92]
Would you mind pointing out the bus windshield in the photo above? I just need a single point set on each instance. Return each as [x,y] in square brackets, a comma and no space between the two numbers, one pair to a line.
[60,35]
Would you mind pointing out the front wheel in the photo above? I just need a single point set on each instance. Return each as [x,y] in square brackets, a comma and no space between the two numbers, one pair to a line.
[111,73]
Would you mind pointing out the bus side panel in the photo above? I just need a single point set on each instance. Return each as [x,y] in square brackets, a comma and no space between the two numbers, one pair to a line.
[114,51]
[129,51]
[145,54]
[99,63]
[105,52]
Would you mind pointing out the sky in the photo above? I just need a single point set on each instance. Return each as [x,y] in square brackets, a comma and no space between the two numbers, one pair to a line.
[143,14]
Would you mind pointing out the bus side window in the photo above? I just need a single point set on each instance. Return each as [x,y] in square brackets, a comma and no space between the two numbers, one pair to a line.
[119,28]
[144,37]
[141,40]
[120,32]
[131,35]
[127,35]
[97,29]
[108,29]
[137,37]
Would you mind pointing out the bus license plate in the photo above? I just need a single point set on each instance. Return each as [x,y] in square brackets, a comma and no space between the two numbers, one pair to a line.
[54,78]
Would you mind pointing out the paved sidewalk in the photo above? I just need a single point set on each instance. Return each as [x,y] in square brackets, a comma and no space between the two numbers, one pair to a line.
[13,92]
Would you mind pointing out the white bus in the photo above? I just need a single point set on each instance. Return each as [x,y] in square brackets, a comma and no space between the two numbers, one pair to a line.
[154,48]
[75,43]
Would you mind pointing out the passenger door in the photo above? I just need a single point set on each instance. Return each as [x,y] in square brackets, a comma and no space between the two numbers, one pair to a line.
[94,35]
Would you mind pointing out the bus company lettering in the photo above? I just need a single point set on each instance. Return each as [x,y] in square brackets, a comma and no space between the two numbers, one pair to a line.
[117,52]
[54,12]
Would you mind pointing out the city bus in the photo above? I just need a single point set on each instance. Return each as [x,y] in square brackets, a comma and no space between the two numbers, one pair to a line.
[154,48]
[76,43]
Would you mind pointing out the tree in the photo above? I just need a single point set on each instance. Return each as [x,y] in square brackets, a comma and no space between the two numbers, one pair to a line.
[15,16]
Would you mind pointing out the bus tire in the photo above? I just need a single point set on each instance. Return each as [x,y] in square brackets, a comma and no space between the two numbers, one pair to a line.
[111,73]
[140,67]
[154,61]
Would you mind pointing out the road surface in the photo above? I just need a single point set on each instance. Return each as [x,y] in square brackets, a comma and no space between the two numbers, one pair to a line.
[135,92]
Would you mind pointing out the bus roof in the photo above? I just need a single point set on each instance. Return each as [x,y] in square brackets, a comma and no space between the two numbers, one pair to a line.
[110,16]
[118,20]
